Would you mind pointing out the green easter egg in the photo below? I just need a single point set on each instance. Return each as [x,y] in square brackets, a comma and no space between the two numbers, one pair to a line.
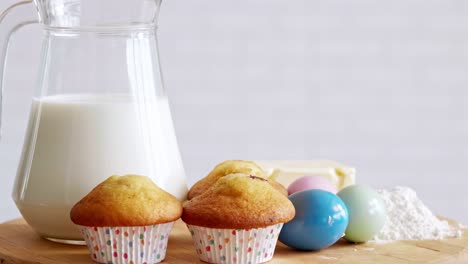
[366,210]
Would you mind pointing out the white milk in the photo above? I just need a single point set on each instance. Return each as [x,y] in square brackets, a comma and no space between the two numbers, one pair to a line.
[76,141]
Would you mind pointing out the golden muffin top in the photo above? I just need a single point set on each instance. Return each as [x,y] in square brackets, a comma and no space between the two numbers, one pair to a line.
[230,167]
[129,200]
[238,201]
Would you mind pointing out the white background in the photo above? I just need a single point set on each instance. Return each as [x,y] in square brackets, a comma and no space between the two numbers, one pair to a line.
[379,85]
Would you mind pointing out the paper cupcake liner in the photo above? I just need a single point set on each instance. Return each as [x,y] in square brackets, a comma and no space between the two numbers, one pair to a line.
[240,246]
[127,245]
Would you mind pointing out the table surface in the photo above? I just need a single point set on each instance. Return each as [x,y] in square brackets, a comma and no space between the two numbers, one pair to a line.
[20,244]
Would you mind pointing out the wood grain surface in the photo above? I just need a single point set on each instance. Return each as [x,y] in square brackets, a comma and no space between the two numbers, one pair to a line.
[20,244]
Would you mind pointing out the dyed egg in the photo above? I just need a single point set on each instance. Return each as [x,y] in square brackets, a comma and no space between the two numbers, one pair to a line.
[311,182]
[366,210]
[321,219]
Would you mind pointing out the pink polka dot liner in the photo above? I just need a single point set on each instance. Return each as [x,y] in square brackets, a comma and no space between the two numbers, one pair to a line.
[239,246]
[127,245]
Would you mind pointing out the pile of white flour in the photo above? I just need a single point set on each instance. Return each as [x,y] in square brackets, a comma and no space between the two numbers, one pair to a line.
[409,219]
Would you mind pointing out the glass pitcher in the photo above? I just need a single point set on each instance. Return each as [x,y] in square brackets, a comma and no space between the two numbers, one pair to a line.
[100,108]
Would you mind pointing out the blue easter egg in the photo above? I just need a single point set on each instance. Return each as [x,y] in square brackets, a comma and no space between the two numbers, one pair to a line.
[321,219]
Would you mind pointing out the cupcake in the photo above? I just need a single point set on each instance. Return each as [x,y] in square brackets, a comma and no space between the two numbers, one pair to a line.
[237,220]
[126,219]
[229,167]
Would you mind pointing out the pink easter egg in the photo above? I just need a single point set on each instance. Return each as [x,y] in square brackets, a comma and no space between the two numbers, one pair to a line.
[311,182]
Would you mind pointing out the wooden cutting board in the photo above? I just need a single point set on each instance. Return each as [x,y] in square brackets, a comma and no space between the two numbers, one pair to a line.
[19,244]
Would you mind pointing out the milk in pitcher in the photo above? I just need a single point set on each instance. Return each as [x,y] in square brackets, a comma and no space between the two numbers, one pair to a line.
[74,142]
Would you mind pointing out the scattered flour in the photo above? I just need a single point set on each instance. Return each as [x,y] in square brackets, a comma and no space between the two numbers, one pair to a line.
[326,257]
[367,248]
[409,219]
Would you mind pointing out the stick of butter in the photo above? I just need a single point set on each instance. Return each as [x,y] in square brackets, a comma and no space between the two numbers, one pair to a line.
[285,172]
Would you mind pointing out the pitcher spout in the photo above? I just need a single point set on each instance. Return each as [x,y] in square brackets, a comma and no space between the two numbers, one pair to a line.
[78,14]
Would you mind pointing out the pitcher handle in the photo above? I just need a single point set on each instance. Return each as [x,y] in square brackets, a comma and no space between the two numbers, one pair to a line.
[11,20]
